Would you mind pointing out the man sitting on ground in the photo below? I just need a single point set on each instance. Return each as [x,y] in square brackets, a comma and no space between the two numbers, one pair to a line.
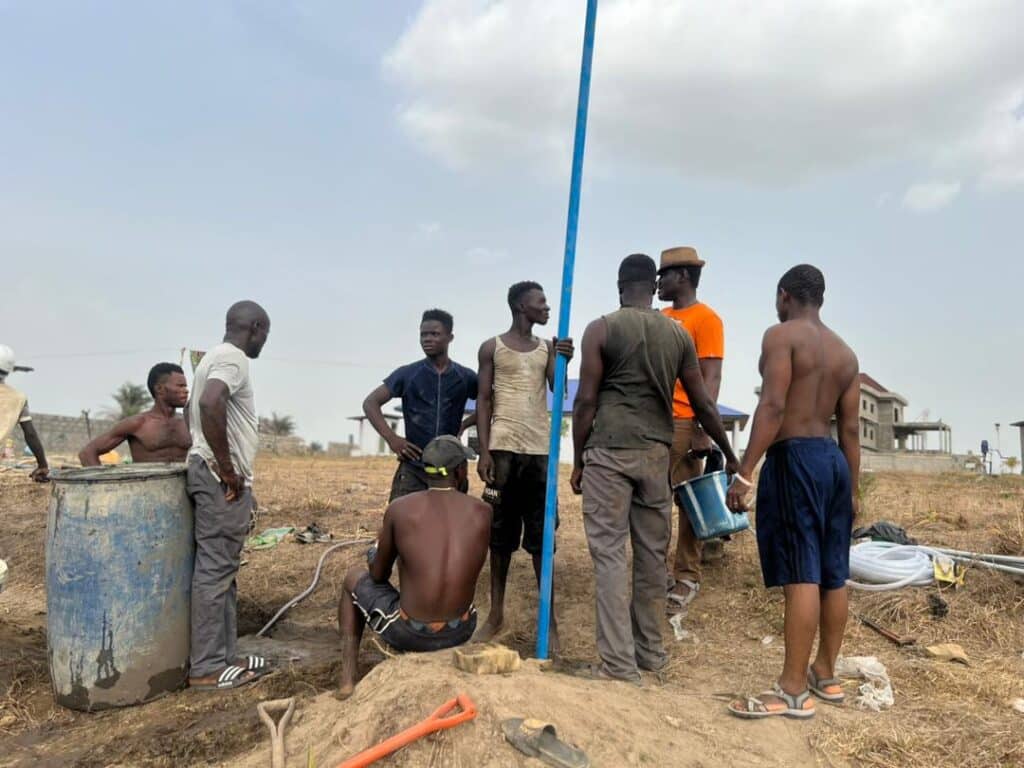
[159,434]
[439,537]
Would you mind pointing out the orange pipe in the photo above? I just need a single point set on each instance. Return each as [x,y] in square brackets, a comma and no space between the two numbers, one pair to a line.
[441,719]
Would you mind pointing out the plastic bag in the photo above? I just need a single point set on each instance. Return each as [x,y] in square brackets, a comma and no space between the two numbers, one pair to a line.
[876,692]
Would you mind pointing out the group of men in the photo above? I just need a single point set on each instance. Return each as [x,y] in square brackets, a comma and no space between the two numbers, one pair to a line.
[644,419]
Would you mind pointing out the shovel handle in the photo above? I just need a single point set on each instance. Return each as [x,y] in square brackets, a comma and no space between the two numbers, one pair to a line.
[440,719]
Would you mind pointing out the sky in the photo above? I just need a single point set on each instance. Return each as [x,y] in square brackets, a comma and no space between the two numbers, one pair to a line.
[349,165]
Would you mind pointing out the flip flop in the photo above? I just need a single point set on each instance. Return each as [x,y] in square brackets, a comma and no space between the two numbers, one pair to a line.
[230,679]
[313,534]
[536,738]
[756,709]
[254,663]
[819,687]
[676,603]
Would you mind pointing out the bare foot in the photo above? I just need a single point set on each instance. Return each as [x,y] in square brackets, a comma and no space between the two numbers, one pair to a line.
[344,691]
[488,631]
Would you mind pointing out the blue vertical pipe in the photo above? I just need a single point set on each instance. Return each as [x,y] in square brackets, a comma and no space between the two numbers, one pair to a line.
[551,504]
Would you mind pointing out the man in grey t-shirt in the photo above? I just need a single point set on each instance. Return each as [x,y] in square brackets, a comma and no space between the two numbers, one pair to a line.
[222,419]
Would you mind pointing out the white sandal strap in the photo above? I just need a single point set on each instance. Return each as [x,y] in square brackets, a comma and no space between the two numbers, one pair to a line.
[230,674]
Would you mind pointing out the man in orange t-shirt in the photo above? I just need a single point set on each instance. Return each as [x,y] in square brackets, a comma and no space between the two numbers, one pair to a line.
[678,278]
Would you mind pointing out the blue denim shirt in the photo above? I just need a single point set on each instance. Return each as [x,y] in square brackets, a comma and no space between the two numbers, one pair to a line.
[433,403]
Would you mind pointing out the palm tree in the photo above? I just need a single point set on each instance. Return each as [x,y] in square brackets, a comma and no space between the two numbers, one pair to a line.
[131,399]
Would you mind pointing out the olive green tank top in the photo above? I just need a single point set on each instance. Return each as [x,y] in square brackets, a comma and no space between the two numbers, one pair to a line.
[644,355]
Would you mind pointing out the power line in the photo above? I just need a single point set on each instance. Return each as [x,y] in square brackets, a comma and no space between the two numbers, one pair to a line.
[121,353]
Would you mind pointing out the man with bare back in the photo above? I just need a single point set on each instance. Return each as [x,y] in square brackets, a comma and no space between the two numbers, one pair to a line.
[806,493]
[159,434]
[439,539]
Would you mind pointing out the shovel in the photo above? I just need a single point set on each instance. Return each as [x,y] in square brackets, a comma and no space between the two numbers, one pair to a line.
[266,709]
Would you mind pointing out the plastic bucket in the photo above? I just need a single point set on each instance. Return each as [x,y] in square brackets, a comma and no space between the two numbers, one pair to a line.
[703,498]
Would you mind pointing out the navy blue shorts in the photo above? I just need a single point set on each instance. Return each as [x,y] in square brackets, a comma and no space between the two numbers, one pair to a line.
[805,514]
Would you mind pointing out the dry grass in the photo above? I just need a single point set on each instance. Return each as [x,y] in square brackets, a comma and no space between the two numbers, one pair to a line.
[945,714]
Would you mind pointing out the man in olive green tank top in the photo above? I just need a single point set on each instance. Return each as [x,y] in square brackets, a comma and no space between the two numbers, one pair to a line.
[513,425]
[622,430]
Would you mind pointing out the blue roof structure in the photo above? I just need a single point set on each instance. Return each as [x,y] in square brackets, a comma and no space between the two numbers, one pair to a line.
[727,413]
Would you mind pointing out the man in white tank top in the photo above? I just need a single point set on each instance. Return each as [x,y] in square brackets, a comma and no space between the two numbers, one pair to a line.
[513,424]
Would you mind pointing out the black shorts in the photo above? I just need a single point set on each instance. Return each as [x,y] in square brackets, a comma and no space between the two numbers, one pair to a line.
[380,606]
[517,496]
[410,478]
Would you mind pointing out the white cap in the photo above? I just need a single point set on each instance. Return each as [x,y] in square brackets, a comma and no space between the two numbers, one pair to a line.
[6,359]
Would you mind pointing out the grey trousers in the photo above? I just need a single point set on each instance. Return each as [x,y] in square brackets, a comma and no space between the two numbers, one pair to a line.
[625,495]
[220,527]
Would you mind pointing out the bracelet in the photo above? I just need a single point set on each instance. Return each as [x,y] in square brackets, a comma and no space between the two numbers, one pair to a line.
[743,480]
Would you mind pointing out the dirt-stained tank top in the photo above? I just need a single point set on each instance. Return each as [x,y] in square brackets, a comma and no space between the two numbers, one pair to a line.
[520,421]
[644,355]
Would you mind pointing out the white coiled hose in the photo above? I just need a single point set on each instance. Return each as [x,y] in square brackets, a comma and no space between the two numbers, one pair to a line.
[877,566]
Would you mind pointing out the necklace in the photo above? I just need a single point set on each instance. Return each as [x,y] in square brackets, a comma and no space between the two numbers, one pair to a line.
[441,490]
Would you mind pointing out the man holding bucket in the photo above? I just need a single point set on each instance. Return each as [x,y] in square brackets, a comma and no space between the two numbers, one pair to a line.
[225,434]
[678,277]
[622,431]
[806,494]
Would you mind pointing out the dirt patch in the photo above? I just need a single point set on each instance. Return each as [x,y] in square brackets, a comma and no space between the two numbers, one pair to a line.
[944,713]
[620,725]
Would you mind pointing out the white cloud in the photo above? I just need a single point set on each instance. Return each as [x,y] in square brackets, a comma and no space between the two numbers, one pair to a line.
[927,197]
[762,92]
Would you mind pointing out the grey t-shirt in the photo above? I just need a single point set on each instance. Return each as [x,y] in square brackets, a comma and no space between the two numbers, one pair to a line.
[227,363]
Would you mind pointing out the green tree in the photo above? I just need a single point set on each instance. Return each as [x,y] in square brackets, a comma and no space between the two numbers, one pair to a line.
[1011,463]
[316,447]
[131,399]
[278,426]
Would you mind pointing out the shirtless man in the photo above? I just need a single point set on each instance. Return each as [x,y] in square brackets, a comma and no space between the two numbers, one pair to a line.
[159,434]
[439,538]
[807,493]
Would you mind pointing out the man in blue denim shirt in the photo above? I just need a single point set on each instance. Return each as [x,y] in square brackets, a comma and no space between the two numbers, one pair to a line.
[434,392]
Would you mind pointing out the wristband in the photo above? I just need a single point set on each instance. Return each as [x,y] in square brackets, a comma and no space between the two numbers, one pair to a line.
[743,480]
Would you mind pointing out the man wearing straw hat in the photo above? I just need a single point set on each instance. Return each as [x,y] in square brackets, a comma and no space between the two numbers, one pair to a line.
[678,277]
[622,430]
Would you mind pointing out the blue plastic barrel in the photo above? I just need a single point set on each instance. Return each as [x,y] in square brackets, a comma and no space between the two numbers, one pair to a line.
[703,498]
[119,554]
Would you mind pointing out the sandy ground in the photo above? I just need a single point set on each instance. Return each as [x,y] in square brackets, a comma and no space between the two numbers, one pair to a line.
[944,713]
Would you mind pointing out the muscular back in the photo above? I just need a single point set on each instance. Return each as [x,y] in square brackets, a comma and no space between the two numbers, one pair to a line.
[822,369]
[441,538]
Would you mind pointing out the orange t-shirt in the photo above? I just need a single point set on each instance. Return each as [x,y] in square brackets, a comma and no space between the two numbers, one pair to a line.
[705,328]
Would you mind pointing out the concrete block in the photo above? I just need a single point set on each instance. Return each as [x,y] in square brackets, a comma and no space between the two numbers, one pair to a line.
[486,659]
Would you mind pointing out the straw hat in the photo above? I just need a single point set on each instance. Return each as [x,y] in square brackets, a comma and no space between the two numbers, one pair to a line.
[683,256]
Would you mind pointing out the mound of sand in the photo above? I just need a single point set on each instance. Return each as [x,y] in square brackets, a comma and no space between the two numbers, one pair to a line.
[617,724]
